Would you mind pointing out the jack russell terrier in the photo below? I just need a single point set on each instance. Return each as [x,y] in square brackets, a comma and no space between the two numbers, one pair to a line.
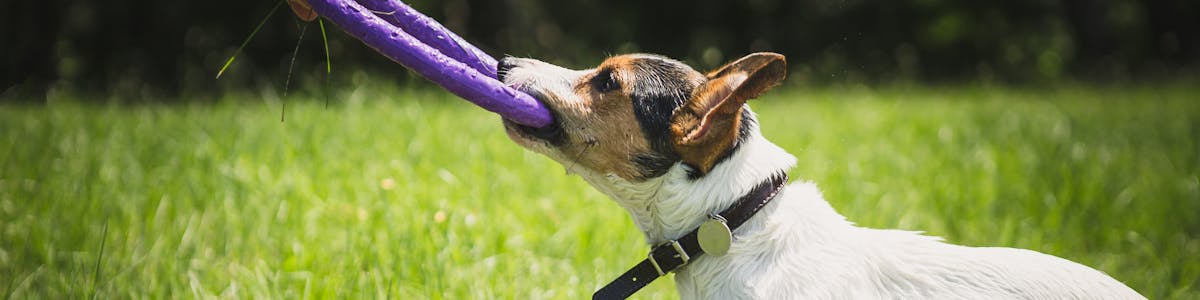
[682,152]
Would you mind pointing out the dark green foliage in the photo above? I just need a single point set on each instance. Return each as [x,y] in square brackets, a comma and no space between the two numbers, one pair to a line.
[139,46]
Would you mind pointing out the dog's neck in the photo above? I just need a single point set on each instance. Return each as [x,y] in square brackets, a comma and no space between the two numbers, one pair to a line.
[669,206]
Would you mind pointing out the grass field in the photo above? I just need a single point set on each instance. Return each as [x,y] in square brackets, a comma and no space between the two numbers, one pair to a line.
[393,193]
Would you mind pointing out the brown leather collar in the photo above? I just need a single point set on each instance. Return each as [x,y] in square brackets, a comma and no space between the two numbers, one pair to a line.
[672,255]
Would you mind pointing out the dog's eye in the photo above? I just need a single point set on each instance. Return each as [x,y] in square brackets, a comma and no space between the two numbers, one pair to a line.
[605,82]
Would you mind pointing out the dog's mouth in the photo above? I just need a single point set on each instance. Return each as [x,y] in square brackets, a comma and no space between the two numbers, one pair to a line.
[552,133]
[549,133]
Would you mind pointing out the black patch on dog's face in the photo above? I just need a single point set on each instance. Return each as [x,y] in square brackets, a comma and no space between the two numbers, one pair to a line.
[653,164]
[604,81]
[660,85]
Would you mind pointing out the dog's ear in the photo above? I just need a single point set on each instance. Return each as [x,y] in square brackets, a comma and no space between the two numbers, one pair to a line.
[706,126]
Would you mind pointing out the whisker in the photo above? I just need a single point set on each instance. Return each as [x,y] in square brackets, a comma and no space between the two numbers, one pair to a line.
[589,143]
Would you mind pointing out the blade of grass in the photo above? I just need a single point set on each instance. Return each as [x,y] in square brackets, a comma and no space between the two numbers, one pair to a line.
[287,82]
[24,283]
[99,261]
[248,38]
[328,62]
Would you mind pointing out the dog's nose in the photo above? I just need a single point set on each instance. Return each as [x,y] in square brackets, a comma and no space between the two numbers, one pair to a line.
[504,66]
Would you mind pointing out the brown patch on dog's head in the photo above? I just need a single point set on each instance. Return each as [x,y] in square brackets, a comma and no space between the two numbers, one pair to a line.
[600,122]
[612,119]
[706,127]
[638,115]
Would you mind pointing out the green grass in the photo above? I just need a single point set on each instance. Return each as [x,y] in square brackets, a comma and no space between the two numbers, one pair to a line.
[410,194]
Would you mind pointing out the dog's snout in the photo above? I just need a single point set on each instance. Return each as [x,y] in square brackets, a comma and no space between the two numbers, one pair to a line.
[504,66]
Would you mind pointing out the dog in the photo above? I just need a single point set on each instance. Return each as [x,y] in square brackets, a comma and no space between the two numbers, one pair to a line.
[676,148]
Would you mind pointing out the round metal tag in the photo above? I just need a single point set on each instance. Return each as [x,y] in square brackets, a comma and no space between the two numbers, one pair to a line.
[714,237]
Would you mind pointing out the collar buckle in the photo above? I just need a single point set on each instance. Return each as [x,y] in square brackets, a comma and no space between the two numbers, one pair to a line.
[679,252]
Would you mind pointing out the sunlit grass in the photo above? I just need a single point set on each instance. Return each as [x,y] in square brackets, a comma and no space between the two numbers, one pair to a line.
[411,194]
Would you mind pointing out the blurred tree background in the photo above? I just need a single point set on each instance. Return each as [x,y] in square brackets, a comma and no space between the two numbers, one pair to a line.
[153,47]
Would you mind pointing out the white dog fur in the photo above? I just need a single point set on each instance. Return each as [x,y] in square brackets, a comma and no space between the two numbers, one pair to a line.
[798,247]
